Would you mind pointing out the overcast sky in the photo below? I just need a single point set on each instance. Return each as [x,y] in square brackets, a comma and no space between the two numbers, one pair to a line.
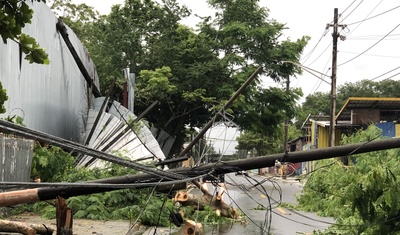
[371,49]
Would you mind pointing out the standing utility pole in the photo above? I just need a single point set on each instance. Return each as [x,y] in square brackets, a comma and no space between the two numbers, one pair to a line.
[285,141]
[335,36]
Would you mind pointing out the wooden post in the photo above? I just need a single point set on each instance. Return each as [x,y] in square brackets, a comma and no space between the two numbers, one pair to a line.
[64,217]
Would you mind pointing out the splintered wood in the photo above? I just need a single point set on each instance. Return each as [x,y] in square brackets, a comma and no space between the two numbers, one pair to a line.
[23,228]
[64,217]
[191,228]
[200,201]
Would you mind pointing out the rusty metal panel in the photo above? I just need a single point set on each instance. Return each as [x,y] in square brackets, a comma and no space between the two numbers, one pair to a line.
[50,98]
[15,159]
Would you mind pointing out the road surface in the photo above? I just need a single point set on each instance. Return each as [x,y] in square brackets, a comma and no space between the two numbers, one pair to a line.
[242,194]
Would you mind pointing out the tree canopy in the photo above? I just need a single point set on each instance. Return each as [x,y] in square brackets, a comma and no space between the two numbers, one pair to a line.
[192,72]
[362,197]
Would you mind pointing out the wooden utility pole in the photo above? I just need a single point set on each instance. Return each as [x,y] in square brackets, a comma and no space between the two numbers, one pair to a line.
[333,80]
[285,141]
[285,138]
[12,198]
[335,36]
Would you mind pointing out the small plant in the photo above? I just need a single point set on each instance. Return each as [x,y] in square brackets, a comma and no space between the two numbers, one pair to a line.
[260,207]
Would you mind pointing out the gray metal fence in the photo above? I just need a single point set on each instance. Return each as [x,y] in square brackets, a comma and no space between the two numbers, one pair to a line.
[15,158]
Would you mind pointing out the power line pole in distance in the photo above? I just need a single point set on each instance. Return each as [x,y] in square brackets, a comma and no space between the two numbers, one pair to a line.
[335,36]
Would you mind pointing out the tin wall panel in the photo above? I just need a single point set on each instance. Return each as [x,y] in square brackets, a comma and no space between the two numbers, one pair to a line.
[15,159]
[51,98]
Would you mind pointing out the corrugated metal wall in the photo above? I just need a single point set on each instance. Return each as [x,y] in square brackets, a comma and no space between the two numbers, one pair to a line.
[15,159]
[388,129]
[51,98]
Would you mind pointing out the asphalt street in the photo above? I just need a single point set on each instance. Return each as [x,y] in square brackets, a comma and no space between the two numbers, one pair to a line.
[249,193]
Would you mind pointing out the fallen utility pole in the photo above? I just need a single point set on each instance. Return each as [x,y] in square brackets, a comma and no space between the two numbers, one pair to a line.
[8,127]
[48,193]
[225,107]
[63,31]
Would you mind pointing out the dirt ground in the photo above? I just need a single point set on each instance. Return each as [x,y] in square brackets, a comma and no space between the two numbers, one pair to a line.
[84,226]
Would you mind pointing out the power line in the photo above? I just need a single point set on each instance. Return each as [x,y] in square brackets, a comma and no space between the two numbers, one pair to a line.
[370,36]
[374,16]
[384,56]
[351,11]
[347,8]
[312,50]
[306,57]
[364,18]
[369,47]
[321,54]
[384,74]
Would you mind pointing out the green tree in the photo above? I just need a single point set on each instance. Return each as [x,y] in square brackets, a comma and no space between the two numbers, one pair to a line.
[317,103]
[361,197]
[266,144]
[192,72]
[14,15]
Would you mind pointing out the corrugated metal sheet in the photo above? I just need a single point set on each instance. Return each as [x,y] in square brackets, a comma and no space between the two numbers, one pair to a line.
[110,135]
[388,129]
[51,98]
[15,159]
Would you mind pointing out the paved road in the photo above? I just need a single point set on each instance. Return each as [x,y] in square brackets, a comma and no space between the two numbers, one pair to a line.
[241,193]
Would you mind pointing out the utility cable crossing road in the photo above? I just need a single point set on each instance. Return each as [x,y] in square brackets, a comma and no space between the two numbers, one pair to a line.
[155,175]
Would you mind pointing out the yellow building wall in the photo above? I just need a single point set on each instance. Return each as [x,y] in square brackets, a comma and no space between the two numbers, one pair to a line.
[323,137]
[313,134]
[397,131]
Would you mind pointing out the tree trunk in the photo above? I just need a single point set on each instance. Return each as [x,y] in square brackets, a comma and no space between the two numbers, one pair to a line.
[17,227]
[201,201]
[191,228]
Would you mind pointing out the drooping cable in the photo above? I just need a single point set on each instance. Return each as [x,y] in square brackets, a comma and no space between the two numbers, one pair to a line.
[369,47]
[372,17]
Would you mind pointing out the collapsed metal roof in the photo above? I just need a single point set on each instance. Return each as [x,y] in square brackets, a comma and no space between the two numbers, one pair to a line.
[112,134]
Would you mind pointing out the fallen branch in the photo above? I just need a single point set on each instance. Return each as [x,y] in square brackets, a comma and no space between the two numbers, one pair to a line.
[23,228]
[201,201]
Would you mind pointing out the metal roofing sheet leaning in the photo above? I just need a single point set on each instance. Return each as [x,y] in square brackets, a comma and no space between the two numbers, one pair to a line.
[110,135]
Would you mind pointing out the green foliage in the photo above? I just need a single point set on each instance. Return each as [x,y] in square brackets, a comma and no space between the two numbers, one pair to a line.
[317,103]
[15,119]
[260,208]
[3,98]
[192,72]
[51,164]
[361,197]
[54,165]
[206,216]
[268,144]
[14,15]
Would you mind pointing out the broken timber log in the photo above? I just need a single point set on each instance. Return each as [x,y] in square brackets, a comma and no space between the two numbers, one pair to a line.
[64,217]
[201,201]
[23,228]
[191,228]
